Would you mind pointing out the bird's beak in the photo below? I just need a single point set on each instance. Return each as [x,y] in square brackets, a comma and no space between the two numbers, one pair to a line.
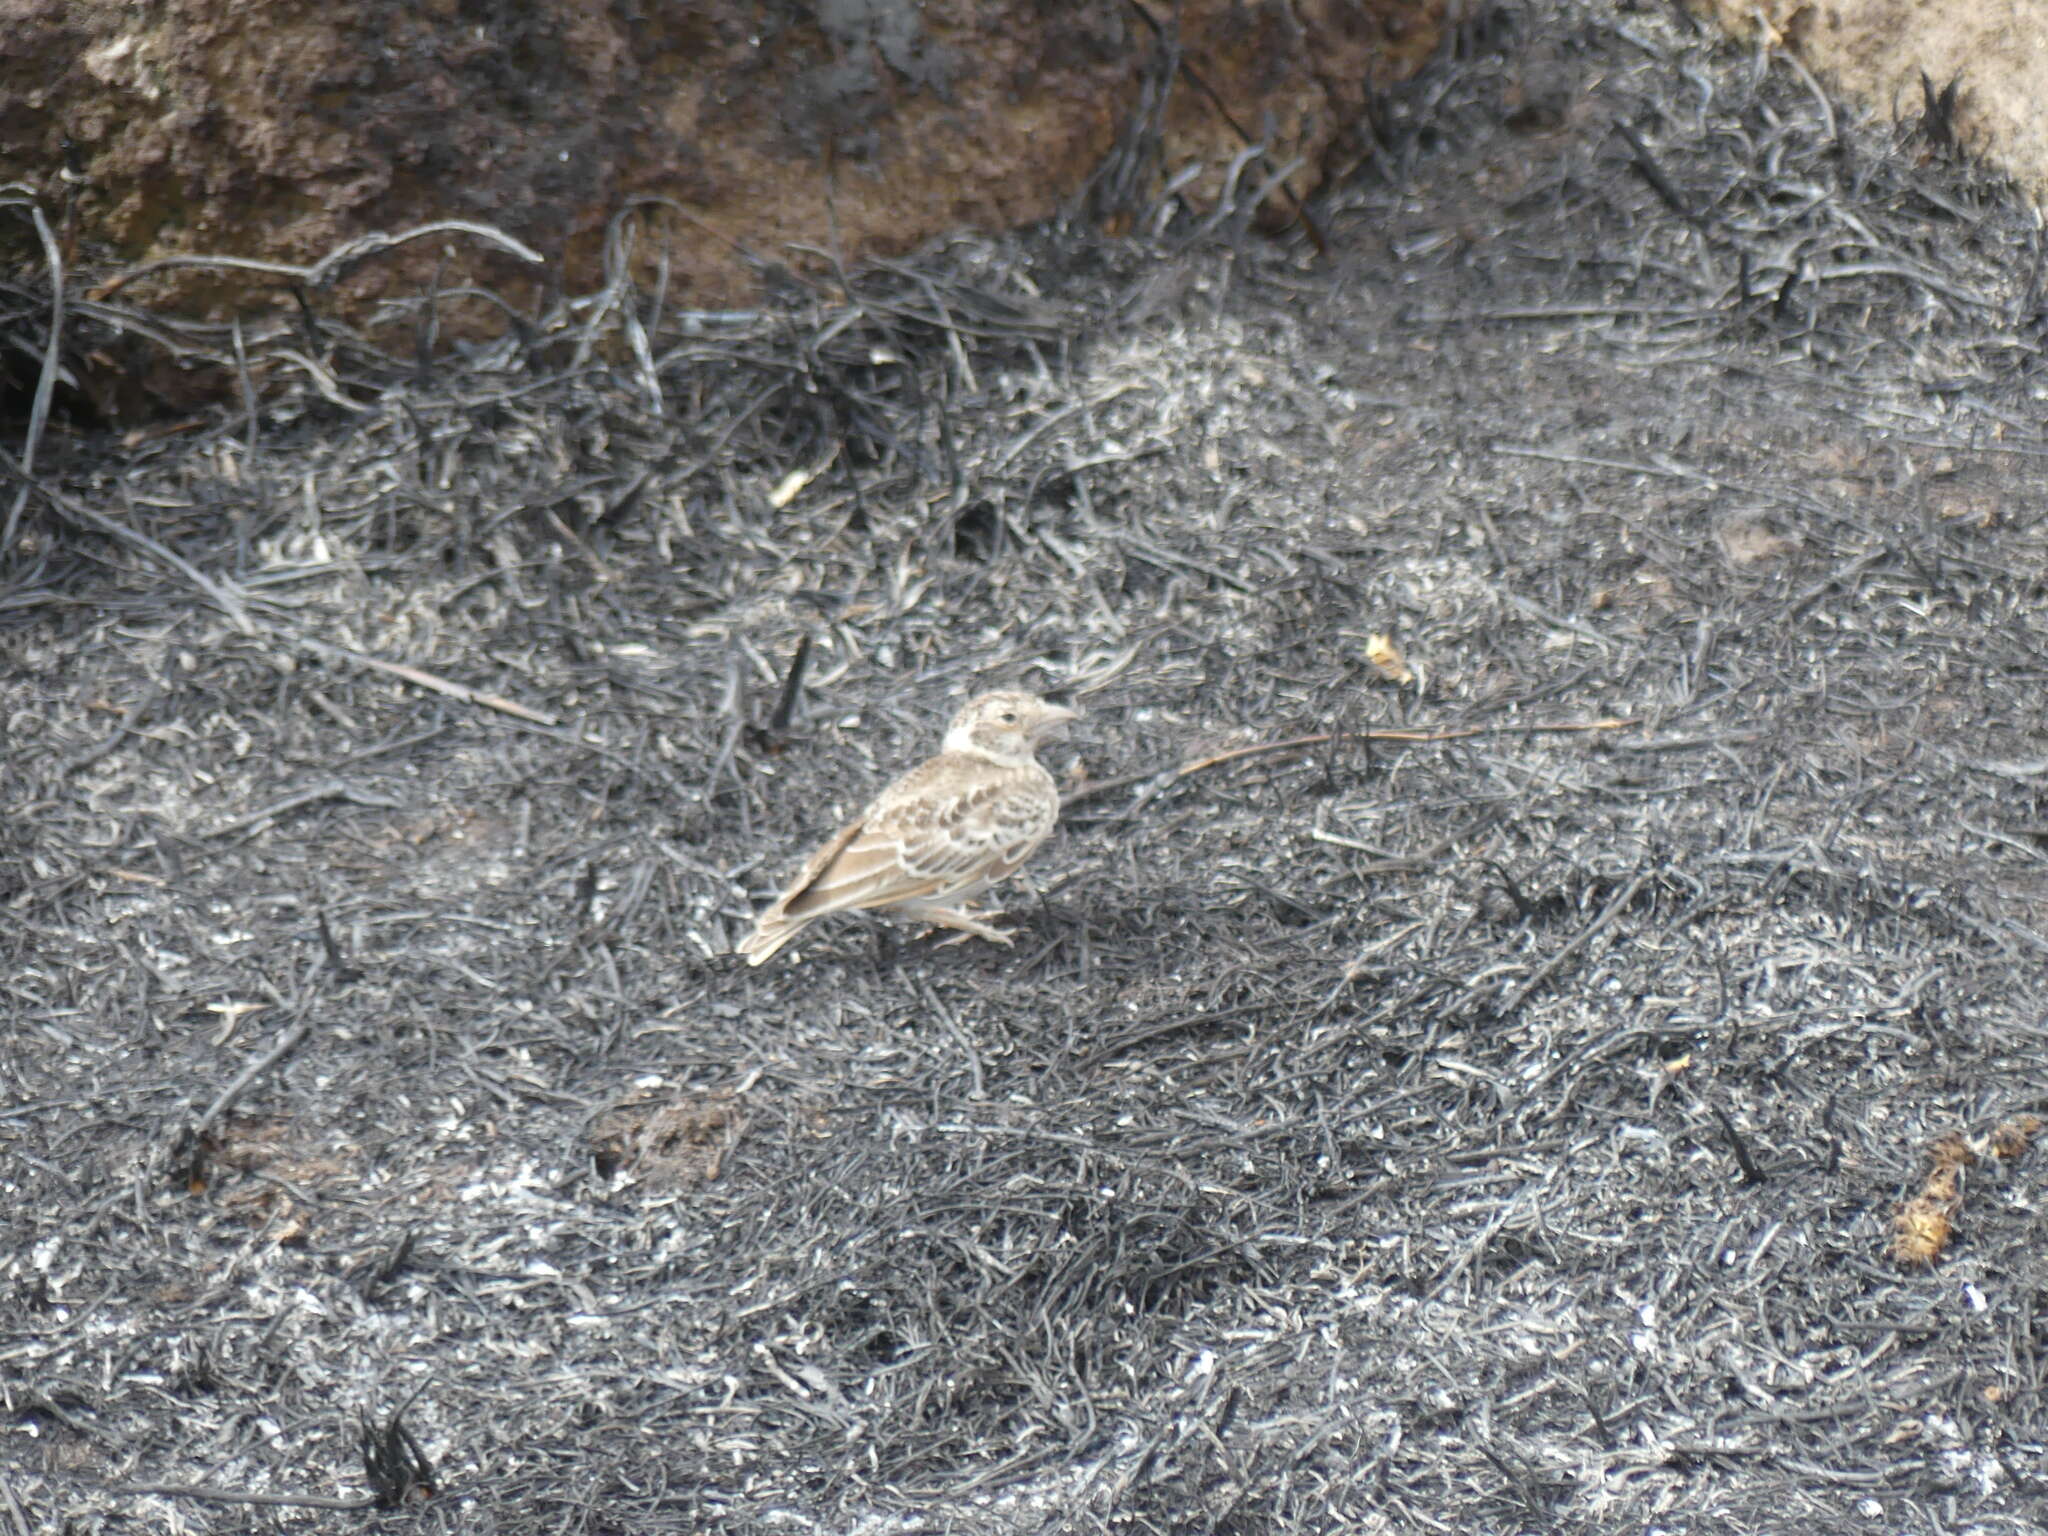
[1055,718]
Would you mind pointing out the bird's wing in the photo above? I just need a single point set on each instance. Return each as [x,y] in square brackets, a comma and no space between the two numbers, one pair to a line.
[935,832]
[979,834]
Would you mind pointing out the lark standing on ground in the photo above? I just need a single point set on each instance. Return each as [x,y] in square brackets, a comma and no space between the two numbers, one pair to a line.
[940,835]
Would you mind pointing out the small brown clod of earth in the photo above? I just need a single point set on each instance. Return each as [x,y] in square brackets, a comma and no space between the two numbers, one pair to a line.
[678,1143]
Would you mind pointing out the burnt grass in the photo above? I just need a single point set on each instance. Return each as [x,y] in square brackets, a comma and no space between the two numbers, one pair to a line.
[1498,1129]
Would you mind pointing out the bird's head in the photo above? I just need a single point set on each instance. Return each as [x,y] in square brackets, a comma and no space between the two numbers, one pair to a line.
[1006,727]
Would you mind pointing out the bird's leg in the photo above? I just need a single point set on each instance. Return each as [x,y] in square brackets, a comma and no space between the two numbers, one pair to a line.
[969,923]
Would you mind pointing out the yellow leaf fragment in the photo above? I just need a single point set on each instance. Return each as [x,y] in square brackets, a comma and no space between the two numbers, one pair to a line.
[1387,659]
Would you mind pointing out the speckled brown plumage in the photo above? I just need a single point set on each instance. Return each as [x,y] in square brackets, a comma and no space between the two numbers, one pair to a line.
[940,835]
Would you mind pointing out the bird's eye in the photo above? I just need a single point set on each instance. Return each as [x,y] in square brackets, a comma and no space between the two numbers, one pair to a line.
[1008,717]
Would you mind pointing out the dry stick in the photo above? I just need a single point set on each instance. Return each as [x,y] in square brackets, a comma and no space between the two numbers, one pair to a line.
[656,200]
[14,1509]
[1751,1174]
[333,789]
[85,757]
[1226,205]
[1173,776]
[323,381]
[228,599]
[1552,312]
[617,253]
[439,685]
[1647,167]
[19,194]
[1584,937]
[1677,471]
[792,686]
[1458,734]
[233,1496]
[270,1058]
[1094,787]
[248,390]
[229,602]
[318,274]
[977,1088]
[1630,466]
[1308,222]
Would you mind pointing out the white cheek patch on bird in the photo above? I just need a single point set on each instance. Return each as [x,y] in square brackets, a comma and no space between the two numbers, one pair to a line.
[938,836]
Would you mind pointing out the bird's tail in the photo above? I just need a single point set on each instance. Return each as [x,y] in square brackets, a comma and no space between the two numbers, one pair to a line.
[774,930]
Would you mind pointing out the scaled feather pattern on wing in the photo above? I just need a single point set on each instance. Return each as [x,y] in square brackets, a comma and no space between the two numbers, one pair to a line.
[940,835]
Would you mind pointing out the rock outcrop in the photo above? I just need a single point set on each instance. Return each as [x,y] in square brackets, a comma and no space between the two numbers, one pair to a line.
[1878,51]
[743,133]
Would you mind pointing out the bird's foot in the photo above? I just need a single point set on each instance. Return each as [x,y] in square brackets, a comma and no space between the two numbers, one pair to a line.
[1003,936]
[970,923]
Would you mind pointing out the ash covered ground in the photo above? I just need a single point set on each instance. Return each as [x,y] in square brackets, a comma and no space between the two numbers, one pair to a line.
[1494,1127]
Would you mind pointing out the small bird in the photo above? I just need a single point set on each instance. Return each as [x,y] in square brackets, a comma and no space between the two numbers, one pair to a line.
[940,835]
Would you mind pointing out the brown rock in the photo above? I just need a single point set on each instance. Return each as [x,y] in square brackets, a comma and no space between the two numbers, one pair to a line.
[1876,51]
[1292,76]
[281,130]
